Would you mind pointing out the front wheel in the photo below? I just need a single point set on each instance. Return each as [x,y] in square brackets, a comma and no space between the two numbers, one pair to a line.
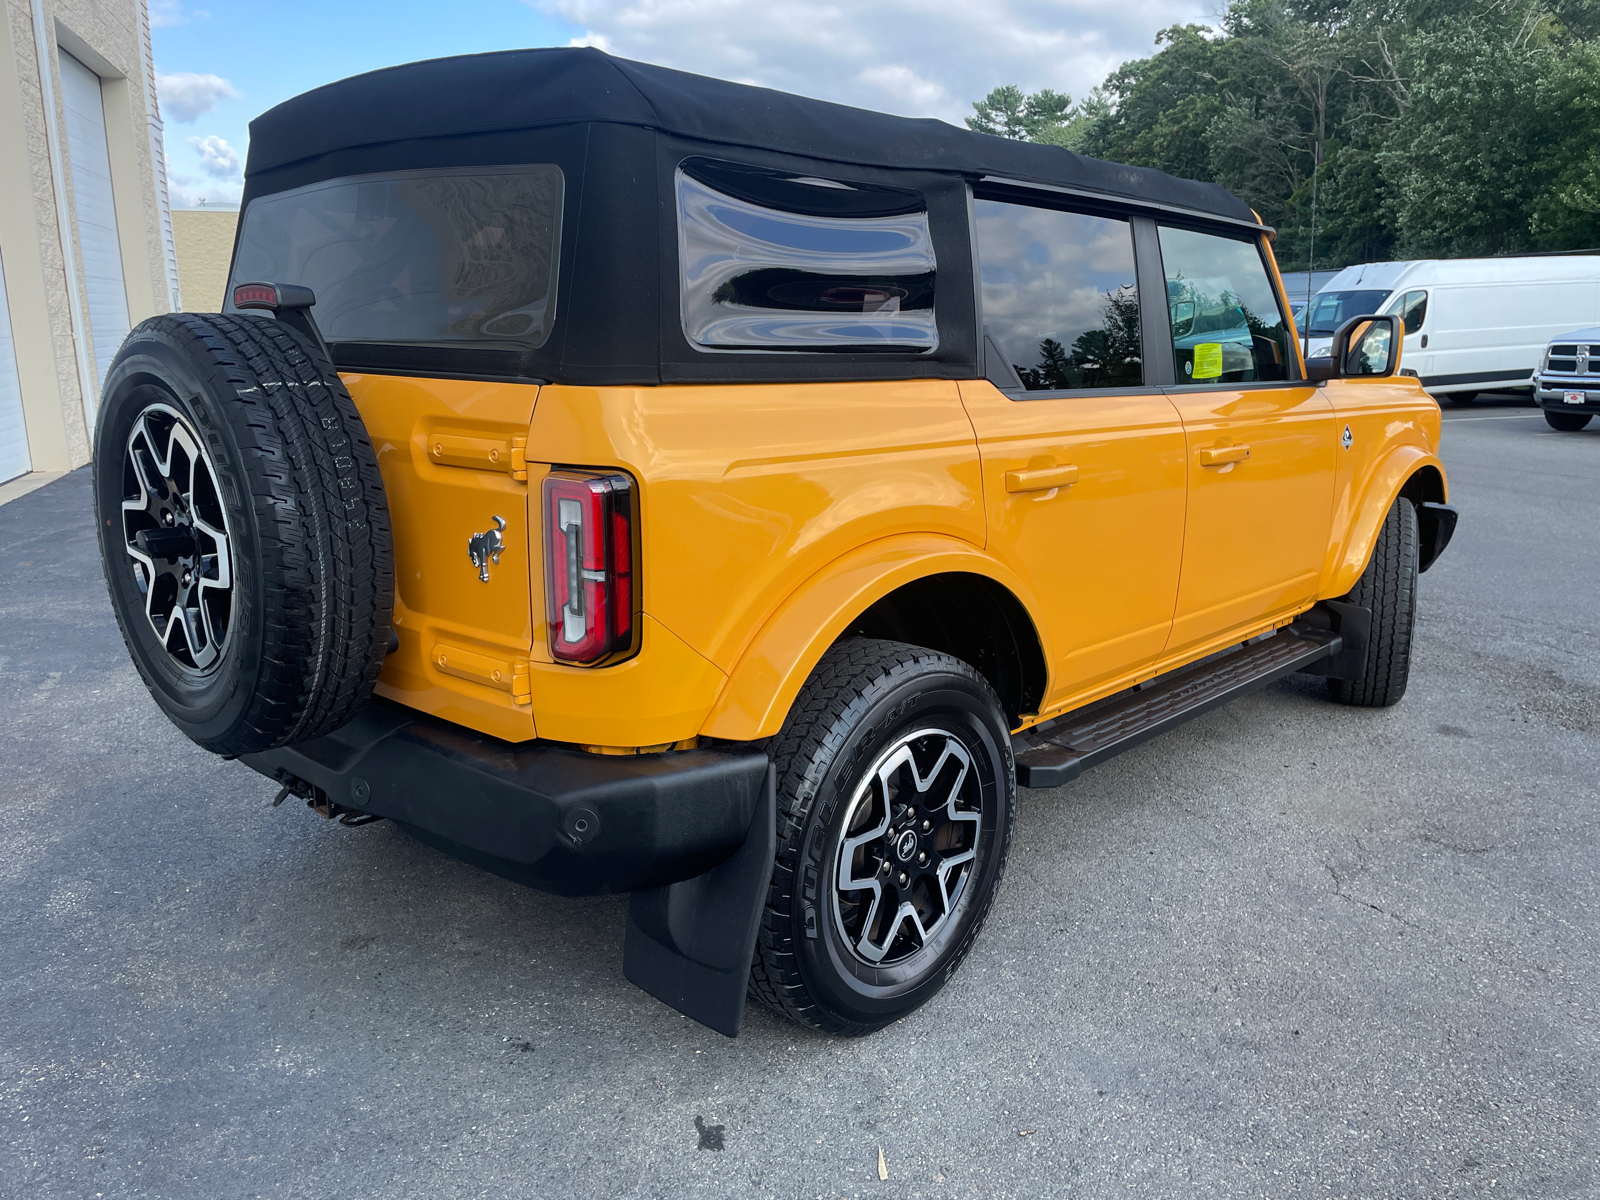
[1388,587]
[896,795]
[1566,422]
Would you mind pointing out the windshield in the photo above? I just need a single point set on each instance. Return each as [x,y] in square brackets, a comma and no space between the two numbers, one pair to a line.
[1329,310]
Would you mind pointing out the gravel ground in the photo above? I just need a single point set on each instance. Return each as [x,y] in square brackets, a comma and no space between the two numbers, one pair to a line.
[1288,950]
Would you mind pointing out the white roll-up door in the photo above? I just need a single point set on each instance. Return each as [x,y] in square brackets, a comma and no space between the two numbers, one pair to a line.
[14,458]
[99,248]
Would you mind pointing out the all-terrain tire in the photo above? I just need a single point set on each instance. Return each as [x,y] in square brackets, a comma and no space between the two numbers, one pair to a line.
[1566,422]
[1388,587]
[866,700]
[257,603]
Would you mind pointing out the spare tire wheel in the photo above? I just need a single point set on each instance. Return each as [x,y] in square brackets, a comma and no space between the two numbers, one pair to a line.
[243,530]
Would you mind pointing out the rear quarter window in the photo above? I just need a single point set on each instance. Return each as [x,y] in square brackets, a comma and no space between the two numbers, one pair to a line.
[446,258]
[784,263]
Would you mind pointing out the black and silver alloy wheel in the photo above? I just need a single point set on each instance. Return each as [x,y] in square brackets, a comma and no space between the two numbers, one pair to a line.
[175,533]
[896,795]
[906,847]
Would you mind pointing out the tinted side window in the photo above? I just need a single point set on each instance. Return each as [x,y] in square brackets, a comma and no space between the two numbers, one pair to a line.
[755,277]
[1226,324]
[1412,307]
[1060,303]
[465,259]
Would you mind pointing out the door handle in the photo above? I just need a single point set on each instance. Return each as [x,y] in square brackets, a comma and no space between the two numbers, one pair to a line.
[1041,478]
[1221,456]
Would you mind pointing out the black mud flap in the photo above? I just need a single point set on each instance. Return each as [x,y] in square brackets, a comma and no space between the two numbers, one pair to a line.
[690,944]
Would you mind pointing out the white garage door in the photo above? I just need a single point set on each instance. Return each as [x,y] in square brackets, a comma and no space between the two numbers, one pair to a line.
[98,246]
[14,458]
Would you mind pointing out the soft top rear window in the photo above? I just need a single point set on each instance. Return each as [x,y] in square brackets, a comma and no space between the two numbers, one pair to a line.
[459,258]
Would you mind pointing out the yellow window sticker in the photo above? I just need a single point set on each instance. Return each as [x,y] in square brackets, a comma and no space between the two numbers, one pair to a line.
[1208,360]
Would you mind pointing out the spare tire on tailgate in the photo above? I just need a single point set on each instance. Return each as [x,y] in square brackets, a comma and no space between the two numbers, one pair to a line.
[243,530]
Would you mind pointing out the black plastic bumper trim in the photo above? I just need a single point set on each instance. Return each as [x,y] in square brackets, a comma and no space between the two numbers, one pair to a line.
[1436,525]
[555,818]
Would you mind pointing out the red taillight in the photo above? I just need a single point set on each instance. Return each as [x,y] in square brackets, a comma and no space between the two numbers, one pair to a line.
[588,565]
[255,295]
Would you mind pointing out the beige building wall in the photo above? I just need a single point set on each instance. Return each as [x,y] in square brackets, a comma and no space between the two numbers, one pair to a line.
[38,243]
[204,238]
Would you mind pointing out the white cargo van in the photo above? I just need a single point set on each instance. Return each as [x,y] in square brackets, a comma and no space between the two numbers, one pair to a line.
[1472,324]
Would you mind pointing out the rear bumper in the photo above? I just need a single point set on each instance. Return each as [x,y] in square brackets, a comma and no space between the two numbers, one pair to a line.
[557,819]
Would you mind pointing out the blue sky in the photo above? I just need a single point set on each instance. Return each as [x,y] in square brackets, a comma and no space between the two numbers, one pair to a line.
[221,62]
[269,52]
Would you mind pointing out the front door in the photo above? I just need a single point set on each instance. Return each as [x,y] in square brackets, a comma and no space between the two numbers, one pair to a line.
[1083,464]
[1261,444]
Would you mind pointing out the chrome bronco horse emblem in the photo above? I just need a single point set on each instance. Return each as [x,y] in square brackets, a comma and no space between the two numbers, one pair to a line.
[484,548]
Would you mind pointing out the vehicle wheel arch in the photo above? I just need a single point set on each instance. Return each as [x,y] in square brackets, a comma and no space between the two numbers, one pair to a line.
[885,585]
[971,617]
[1407,472]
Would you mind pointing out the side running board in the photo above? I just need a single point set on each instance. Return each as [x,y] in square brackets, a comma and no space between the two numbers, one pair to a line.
[1058,752]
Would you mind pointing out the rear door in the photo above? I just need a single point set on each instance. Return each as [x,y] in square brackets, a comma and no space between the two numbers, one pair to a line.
[1260,443]
[454,459]
[1083,461]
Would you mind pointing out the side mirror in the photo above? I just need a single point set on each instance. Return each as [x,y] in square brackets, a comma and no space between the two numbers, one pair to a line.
[1364,346]
[1182,315]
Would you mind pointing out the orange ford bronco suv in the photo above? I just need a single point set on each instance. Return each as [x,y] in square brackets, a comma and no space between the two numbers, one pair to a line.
[631,481]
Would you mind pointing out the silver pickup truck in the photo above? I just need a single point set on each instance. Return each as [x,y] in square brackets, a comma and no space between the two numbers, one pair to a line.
[1567,383]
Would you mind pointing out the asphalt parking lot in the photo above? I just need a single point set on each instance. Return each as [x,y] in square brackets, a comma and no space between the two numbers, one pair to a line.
[1288,950]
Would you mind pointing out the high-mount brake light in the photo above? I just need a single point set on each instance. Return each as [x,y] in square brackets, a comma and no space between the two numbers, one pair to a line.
[255,295]
[588,566]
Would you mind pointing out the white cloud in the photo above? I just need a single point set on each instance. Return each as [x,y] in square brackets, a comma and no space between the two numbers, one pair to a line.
[217,159]
[164,14]
[186,96]
[923,58]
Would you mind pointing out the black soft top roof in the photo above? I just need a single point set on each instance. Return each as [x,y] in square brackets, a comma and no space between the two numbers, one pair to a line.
[530,89]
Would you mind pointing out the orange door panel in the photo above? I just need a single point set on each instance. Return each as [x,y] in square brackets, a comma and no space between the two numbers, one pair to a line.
[1261,466]
[1085,496]
[454,458]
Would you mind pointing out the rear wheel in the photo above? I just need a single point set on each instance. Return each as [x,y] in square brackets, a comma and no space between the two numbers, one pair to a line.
[1388,588]
[1566,422]
[896,795]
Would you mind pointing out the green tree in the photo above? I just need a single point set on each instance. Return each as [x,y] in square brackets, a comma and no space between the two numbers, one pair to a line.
[1054,369]
[1010,112]
[1410,127]
[1463,158]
